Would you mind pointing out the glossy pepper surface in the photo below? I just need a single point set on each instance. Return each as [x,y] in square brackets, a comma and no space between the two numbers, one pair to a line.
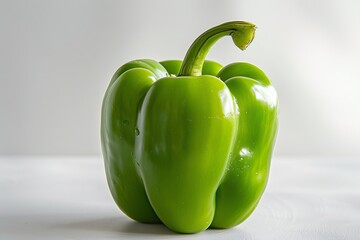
[189,143]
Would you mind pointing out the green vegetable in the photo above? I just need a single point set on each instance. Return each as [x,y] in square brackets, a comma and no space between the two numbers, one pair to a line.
[189,143]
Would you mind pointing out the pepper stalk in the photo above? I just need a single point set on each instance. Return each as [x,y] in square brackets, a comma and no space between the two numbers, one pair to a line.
[241,32]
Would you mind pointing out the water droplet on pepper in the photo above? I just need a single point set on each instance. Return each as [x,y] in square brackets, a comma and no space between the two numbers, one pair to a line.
[137,132]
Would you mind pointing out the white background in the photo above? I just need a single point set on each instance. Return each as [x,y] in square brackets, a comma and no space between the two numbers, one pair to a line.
[57,57]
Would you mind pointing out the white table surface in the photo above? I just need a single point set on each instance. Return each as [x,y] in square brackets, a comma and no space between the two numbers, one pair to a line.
[68,198]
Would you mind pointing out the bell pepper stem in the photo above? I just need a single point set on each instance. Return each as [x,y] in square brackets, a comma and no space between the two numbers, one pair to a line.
[241,32]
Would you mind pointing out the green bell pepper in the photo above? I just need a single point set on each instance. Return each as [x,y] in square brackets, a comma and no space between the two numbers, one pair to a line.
[189,143]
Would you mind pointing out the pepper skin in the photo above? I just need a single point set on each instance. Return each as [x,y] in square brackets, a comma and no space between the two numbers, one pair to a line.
[189,143]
